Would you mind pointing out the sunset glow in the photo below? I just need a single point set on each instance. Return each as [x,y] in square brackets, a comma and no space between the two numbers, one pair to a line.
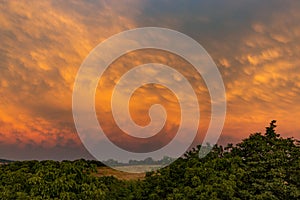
[255,44]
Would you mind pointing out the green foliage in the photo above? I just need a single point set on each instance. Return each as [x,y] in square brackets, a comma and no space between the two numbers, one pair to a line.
[263,166]
[260,167]
[54,180]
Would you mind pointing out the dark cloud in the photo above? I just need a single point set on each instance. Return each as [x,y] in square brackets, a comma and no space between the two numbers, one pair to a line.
[256,46]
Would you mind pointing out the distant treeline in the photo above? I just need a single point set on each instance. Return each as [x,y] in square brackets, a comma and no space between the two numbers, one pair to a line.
[4,161]
[147,161]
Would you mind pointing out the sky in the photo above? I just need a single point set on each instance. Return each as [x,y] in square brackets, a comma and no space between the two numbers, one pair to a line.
[254,43]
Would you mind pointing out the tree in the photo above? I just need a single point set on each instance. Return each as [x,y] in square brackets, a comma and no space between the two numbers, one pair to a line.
[262,166]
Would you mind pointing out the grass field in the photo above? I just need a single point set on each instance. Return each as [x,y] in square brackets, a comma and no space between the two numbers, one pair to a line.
[134,172]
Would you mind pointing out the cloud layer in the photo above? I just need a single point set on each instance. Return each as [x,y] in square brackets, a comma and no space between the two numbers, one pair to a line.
[256,45]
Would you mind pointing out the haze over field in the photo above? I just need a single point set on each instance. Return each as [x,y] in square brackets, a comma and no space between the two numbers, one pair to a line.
[255,44]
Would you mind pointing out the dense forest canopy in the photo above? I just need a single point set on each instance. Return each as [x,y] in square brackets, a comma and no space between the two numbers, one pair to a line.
[262,166]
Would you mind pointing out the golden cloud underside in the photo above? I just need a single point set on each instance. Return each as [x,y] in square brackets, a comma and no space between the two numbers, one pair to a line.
[43,43]
[146,96]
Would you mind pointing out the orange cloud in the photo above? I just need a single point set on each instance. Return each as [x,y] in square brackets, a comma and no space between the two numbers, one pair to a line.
[146,96]
[43,43]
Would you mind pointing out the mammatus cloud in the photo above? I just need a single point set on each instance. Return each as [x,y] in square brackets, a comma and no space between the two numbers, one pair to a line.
[146,96]
[267,86]
[42,47]
[42,44]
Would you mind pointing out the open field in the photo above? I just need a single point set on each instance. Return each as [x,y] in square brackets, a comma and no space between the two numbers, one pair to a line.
[138,168]
[126,172]
[107,171]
